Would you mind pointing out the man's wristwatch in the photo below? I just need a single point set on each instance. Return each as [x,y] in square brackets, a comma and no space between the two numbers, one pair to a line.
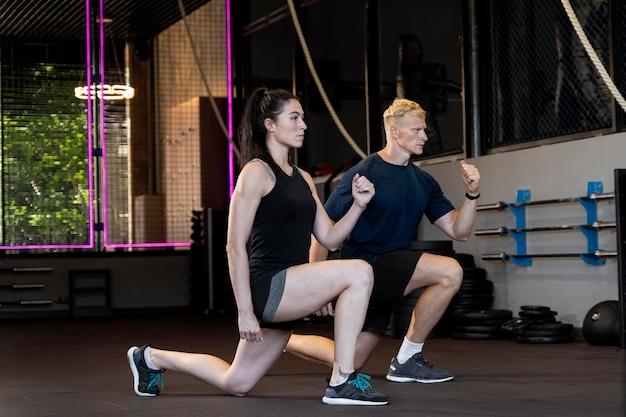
[472,197]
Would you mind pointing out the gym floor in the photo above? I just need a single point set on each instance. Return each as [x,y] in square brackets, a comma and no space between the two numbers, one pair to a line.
[77,367]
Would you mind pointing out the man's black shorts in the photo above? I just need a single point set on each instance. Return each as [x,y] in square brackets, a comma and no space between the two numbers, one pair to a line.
[392,274]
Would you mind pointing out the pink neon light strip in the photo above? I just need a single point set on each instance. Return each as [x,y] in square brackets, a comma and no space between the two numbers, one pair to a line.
[89,121]
[148,245]
[105,204]
[103,140]
[89,156]
[229,94]
[231,169]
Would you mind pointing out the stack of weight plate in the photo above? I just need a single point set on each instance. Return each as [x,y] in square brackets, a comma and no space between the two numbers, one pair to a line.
[401,315]
[538,325]
[480,324]
[475,293]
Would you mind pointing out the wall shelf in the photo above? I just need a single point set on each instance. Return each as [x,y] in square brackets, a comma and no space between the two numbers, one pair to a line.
[593,256]
[18,293]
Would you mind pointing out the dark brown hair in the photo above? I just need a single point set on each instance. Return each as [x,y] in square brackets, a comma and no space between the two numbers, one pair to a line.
[264,103]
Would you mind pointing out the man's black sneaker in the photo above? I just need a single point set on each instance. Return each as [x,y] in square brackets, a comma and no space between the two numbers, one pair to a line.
[146,381]
[417,369]
[355,391]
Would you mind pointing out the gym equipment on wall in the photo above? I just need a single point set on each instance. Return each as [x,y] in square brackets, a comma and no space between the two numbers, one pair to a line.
[593,256]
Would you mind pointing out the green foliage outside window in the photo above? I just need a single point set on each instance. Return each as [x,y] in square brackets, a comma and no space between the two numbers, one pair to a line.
[44,166]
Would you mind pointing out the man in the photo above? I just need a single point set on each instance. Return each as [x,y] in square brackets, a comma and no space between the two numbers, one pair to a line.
[382,237]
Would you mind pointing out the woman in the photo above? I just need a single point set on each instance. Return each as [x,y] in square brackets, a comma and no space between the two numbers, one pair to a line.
[275,207]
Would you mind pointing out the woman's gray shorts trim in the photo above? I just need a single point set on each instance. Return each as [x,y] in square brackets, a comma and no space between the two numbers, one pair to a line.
[277,288]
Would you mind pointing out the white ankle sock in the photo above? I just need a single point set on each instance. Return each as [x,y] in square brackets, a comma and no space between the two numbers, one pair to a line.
[146,357]
[408,349]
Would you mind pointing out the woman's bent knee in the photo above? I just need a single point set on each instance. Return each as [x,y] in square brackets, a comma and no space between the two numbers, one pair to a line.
[238,389]
[362,271]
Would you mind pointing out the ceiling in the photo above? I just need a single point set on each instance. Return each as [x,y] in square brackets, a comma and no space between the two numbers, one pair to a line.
[64,20]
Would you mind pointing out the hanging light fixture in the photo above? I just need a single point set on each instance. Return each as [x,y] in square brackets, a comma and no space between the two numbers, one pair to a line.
[106,91]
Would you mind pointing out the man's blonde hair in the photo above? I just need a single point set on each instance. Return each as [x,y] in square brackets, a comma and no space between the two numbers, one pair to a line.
[402,106]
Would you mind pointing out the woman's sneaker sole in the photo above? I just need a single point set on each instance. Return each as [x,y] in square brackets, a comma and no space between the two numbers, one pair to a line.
[133,368]
[347,401]
[355,391]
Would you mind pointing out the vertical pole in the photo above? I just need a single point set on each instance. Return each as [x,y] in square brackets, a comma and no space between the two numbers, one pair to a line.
[100,171]
[620,220]
[373,76]
[299,77]
[618,45]
[229,98]
[2,176]
[471,85]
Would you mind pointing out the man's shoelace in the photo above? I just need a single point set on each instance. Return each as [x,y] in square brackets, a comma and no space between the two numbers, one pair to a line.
[422,362]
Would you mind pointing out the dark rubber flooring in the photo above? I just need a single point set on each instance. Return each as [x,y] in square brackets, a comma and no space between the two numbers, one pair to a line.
[77,367]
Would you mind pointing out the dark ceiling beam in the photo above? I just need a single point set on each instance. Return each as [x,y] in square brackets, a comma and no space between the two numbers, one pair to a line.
[64,20]
[271,18]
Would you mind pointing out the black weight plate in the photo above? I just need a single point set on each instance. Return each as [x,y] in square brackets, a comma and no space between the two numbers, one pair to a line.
[476,328]
[468,291]
[475,290]
[470,302]
[480,315]
[471,305]
[537,313]
[551,326]
[477,296]
[474,285]
[466,260]
[478,323]
[535,308]
[515,324]
[473,299]
[530,332]
[474,274]
[545,339]
[476,335]
[543,320]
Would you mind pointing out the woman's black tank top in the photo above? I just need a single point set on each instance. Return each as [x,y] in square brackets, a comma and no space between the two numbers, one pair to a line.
[281,232]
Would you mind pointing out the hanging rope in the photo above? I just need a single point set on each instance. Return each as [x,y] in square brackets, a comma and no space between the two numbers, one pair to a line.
[318,83]
[592,54]
[218,115]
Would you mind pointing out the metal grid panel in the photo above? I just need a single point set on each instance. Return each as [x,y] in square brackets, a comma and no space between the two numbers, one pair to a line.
[44,146]
[426,68]
[62,20]
[538,80]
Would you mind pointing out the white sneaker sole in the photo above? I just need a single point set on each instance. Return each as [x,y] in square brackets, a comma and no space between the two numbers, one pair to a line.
[133,369]
[422,381]
[348,401]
